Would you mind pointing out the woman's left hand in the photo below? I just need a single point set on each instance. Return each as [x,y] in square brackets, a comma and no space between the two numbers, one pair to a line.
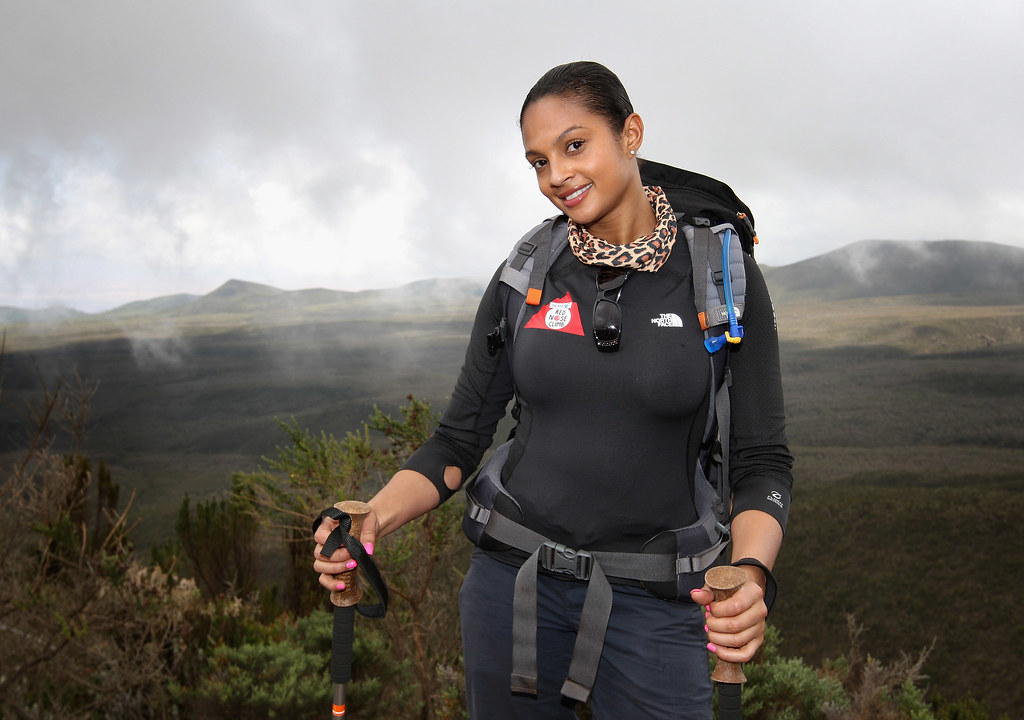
[735,626]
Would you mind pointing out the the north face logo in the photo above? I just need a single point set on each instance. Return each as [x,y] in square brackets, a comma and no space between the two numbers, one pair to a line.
[667,320]
[562,315]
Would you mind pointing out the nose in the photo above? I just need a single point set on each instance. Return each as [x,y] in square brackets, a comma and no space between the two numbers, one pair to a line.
[559,172]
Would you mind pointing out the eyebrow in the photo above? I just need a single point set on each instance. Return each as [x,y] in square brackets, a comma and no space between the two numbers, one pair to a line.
[558,139]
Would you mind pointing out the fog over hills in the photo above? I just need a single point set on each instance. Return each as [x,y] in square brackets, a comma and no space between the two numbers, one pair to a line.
[52,314]
[269,304]
[974,272]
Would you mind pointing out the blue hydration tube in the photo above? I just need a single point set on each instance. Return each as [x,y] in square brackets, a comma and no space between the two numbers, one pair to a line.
[735,332]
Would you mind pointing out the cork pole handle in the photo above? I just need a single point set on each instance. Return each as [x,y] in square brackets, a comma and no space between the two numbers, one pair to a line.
[724,581]
[352,593]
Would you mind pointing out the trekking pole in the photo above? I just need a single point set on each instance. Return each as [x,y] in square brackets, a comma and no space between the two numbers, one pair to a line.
[350,515]
[724,581]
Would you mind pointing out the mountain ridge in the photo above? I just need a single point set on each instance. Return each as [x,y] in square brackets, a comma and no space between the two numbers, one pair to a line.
[970,272]
[973,272]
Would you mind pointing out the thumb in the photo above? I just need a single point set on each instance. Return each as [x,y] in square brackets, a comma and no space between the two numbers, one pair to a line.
[368,532]
[702,596]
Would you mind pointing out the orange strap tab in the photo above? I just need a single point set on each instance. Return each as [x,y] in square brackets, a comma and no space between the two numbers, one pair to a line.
[533,296]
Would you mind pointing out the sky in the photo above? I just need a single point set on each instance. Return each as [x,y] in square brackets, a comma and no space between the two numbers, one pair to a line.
[150,148]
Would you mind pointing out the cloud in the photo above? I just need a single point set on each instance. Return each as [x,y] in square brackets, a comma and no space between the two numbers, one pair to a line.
[166,147]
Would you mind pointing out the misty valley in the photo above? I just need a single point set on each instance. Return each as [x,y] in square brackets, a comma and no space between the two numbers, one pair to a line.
[904,394]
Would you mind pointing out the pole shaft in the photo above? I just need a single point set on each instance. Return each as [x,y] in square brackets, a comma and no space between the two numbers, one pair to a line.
[338,705]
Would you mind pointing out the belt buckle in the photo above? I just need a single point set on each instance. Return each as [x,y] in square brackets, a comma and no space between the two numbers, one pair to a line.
[563,560]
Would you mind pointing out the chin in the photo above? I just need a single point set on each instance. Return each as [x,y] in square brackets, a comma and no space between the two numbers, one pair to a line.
[579,215]
[583,218]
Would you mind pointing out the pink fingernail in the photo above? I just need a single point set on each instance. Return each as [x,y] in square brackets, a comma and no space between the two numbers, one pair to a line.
[711,647]
[705,628]
[350,564]
[369,548]
[341,586]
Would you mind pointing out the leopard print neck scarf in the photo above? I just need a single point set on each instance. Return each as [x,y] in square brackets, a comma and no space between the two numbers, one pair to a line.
[646,254]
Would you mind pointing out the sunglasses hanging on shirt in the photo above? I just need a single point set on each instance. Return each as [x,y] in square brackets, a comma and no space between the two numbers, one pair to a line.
[607,313]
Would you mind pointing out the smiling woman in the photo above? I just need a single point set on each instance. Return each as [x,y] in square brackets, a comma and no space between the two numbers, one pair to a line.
[607,474]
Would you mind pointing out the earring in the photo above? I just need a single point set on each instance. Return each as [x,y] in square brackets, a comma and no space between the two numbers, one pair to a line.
[632,152]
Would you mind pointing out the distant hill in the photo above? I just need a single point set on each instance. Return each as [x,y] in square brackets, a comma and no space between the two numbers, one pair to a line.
[10,315]
[239,297]
[150,307]
[974,272]
[270,305]
[970,273]
[238,302]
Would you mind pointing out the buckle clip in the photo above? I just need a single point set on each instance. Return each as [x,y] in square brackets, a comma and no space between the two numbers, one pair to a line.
[495,341]
[526,248]
[562,560]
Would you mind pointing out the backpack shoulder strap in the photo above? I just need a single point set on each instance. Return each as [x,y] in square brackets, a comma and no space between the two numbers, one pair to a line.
[706,250]
[527,267]
[528,263]
[719,300]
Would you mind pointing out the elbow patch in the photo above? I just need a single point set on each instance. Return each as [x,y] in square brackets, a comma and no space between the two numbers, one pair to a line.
[430,462]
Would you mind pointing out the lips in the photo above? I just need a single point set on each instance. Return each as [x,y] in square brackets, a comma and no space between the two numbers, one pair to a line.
[576,195]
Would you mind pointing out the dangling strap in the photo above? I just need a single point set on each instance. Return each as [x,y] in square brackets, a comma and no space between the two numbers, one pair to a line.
[340,535]
[700,250]
[524,629]
[723,412]
[586,654]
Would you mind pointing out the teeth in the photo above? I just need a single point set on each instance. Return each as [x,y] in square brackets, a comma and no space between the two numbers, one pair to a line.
[579,192]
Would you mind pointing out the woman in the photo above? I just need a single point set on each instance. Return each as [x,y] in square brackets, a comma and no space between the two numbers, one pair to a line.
[604,438]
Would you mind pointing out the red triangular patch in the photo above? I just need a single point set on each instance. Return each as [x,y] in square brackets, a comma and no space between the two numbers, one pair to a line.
[561,315]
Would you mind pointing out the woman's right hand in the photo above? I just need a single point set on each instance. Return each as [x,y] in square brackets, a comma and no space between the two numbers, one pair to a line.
[340,561]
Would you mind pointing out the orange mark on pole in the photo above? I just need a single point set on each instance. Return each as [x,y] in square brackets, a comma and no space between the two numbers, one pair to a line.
[337,710]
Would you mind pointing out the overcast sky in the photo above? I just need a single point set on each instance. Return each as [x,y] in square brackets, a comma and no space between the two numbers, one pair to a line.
[151,148]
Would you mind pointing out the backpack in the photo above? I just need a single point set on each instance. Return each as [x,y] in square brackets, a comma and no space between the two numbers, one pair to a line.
[719,230]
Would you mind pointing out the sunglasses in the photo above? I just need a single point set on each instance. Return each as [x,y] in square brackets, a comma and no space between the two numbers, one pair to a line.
[607,313]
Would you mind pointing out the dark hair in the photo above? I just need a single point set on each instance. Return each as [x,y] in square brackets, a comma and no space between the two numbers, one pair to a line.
[596,87]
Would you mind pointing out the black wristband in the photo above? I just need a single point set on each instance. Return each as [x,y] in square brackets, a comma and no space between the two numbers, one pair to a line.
[771,588]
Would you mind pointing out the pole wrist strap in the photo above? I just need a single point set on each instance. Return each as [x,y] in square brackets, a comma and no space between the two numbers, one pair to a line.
[771,588]
[364,562]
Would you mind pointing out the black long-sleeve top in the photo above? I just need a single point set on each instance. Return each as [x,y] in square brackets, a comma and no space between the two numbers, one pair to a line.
[606,447]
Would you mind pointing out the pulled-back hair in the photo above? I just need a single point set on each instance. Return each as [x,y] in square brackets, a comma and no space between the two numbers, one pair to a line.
[596,87]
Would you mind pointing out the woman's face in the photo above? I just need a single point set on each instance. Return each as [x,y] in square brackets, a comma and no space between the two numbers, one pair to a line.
[583,167]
